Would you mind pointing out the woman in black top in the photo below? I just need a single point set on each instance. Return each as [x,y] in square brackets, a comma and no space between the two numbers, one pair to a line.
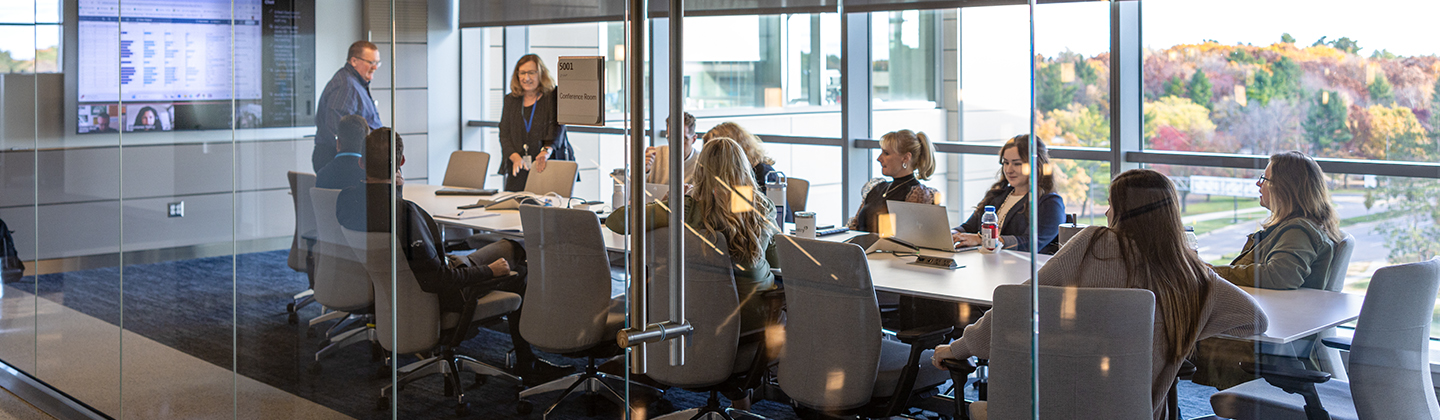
[529,133]
[1011,197]
[907,158]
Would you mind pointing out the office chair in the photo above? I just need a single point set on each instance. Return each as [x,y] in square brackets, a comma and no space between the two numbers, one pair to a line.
[797,193]
[303,242]
[467,169]
[1095,354]
[568,308]
[834,360]
[1389,362]
[719,356]
[1328,359]
[341,282]
[559,178]
[418,326]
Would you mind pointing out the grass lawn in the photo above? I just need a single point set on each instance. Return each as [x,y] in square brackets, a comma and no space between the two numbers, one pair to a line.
[1216,203]
[1369,218]
[1204,227]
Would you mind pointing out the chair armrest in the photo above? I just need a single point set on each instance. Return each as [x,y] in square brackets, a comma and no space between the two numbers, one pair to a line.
[1187,370]
[925,337]
[1287,373]
[960,367]
[1342,343]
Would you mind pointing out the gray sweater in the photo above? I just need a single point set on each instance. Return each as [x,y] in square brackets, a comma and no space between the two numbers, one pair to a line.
[1228,310]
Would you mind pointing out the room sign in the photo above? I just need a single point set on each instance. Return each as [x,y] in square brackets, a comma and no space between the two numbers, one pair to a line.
[580,90]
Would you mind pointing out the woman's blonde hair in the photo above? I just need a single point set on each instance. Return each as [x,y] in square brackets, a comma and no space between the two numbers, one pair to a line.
[754,148]
[721,171]
[922,153]
[1151,237]
[1298,191]
[547,84]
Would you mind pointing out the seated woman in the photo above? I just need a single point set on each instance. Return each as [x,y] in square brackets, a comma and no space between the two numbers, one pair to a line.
[1144,249]
[750,234]
[1294,248]
[1010,197]
[907,158]
[750,143]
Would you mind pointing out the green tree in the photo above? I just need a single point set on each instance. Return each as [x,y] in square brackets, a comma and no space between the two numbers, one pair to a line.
[1175,87]
[1325,126]
[1346,44]
[1085,73]
[1200,89]
[1286,38]
[1286,77]
[1050,92]
[1380,92]
[1261,89]
[1384,54]
[1435,113]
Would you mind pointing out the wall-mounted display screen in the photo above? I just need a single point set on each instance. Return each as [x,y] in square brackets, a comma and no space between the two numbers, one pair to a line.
[195,65]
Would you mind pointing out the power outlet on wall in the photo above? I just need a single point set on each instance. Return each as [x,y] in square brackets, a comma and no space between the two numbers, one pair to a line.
[177,209]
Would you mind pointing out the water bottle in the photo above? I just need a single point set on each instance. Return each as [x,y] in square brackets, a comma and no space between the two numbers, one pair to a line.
[990,230]
[617,197]
[1190,239]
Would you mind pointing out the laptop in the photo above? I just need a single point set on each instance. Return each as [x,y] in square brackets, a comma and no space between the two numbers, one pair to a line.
[922,225]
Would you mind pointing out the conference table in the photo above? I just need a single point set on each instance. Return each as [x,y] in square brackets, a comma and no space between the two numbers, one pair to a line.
[1293,314]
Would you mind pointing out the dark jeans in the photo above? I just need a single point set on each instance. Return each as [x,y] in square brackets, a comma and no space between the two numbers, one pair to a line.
[514,254]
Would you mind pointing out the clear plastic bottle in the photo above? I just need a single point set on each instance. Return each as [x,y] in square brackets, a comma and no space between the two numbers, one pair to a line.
[617,196]
[989,230]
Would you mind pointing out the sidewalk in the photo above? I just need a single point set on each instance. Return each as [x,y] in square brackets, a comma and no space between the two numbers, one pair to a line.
[1192,219]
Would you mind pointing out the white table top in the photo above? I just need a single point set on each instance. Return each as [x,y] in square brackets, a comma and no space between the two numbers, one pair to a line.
[1293,314]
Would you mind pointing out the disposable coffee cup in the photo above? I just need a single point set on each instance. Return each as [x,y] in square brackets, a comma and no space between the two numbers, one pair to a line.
[805,224]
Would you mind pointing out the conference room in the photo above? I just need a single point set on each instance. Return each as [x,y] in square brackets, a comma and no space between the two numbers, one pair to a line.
[179,251]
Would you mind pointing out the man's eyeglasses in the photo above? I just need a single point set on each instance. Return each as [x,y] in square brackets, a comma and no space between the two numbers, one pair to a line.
[373,63]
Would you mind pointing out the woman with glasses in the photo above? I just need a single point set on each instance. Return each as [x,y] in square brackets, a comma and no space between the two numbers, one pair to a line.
[1295,244]
[529,133]
[1292,250]
[1010,197]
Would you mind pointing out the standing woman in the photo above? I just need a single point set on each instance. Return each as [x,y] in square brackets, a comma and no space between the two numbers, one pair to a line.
[754,148]
[1010,197]
[906,158]
[529,133]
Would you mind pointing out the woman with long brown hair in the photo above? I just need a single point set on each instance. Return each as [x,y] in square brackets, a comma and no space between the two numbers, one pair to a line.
[722,174]
[1143,248]
[1010,197]
[530,136]
[1297,242]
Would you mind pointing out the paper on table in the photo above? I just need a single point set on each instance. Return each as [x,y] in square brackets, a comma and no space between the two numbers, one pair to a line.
[465,214]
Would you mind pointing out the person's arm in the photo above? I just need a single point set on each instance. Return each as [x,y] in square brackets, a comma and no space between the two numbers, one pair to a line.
[1050,216]
[656,216]
[1283,267]
[427,256]
[972,225]
[1232,312]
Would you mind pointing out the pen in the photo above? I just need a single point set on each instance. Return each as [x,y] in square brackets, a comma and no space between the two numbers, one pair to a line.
[461,213]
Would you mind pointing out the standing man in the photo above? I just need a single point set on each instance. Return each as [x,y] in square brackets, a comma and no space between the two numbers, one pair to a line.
[348,93]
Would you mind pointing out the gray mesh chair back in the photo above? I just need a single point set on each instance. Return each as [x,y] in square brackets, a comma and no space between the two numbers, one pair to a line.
[1095,348]
[341,282]
[1389,363]
[797,192]
[300,185]
[559,178]
[467,169]
[1340,263]
[567,296]
[712,307]
[832,331]
[415,326]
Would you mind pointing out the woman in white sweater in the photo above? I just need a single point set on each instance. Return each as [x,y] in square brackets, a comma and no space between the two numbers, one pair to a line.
[1144,249]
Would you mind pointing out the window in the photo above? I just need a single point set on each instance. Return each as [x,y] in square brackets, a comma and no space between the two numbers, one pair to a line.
[29,36]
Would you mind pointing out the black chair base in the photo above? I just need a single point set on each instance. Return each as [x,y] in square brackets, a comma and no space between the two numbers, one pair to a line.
[591,382]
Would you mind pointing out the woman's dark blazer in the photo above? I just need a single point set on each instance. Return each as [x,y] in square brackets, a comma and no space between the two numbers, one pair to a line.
[1016,230]
[544,130]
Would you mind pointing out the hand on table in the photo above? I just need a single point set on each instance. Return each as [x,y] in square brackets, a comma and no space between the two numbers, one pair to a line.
[963,239]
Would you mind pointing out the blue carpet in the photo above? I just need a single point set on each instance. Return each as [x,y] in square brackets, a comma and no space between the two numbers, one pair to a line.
[231,312]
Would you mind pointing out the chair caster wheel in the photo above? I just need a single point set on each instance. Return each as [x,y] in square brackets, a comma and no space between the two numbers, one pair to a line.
[314,368]
[290,307]
[377,353]
[462,409]
[382,372]
[524,407]
[382,404]
[309,332]
[293,319]
[663,406]
[480,381]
